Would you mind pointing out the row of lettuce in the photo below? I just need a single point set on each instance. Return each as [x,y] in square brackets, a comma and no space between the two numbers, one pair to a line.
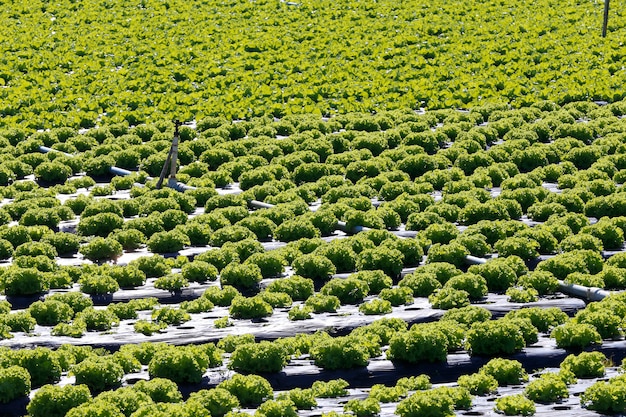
[99,374]
[72,314]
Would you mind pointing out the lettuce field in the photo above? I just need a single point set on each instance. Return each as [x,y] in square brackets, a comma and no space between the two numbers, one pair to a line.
[381,208]
[80,63]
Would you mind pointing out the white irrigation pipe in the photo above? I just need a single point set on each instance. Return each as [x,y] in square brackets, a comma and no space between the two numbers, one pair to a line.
[178,186]
[45,149]
[344,228]
[121,171]
[260,204]
[587,293]
[473,260]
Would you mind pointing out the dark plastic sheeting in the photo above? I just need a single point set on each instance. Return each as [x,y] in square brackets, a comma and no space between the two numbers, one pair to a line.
[200,328]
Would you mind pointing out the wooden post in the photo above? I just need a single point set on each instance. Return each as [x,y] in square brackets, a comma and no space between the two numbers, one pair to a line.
[606,18]
[174,158]
[170,161]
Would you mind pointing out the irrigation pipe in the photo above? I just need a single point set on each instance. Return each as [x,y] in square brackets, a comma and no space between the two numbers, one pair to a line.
[45,149]
[580,291]
[587,293]
[473,260]
[260,204]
